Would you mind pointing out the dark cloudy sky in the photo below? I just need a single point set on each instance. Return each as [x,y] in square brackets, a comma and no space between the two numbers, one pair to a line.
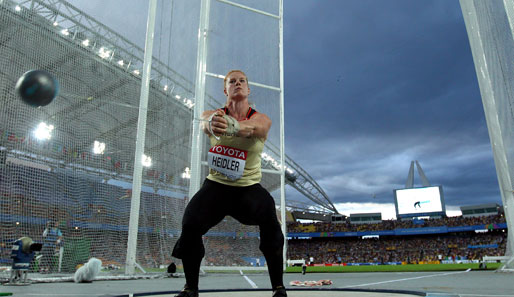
[371,85]
[377,84]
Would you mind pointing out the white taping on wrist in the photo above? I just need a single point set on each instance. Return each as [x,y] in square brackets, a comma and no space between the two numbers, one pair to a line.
[210,126]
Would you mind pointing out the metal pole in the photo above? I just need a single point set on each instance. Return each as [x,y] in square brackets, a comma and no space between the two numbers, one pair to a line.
[140,141]
[489,26]
[282,145]
[201,68]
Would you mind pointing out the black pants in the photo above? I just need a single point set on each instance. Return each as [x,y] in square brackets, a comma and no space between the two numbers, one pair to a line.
[252,205]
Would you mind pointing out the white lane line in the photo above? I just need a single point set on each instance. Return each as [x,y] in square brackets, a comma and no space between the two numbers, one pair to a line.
[405,279]
[482,295]
[67,294]
[248,280]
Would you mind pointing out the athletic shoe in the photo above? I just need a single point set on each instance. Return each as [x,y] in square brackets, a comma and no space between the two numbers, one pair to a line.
[279,292]
[186,292]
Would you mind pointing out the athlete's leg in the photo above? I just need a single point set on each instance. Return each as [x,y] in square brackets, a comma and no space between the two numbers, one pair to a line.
[255,206]
[204,211]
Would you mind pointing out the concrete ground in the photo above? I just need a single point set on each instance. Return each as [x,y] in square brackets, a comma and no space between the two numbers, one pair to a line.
[377,284]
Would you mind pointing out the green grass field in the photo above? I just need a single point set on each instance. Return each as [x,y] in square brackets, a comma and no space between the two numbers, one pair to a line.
[343,269]
[392,268]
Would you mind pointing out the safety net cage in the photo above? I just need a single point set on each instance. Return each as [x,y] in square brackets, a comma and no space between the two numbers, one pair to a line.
[71,174]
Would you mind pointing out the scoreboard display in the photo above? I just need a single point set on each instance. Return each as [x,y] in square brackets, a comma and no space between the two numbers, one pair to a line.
[419,201]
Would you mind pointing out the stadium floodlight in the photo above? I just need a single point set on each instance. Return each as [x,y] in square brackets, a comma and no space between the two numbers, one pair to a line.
[165,87]
[136,72]
[43,131]
[65,32]
[98,147]
[17,8]
[186,173]
[270,160]
[55,24]
[85,42]
[177,97]
[266,157]
[104,53]
[189,103]
[146,161]
[121,63]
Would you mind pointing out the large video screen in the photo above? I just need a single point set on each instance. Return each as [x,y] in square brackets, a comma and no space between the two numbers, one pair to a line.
[419,201]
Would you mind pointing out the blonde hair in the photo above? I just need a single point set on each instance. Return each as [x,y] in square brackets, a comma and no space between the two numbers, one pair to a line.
[229,73]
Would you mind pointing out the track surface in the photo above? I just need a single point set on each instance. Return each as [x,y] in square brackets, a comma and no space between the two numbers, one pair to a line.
[460,283]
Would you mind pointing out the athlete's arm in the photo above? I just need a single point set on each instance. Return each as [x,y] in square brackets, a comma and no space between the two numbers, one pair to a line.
[257,126]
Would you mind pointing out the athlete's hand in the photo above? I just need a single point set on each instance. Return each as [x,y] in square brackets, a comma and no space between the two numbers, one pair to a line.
[218,123]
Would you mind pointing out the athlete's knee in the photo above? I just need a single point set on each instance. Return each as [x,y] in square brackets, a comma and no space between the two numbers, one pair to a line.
[272,242]
[189,245]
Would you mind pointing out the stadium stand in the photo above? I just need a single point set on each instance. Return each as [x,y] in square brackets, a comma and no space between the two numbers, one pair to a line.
[450,239]
[346,226]
[398,250]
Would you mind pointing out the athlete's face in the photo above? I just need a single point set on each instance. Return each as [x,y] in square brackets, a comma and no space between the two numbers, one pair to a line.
[237,86]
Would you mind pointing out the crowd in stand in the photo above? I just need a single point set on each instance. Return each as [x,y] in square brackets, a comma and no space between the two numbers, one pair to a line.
[347,226]
[409,249]
[231,250]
